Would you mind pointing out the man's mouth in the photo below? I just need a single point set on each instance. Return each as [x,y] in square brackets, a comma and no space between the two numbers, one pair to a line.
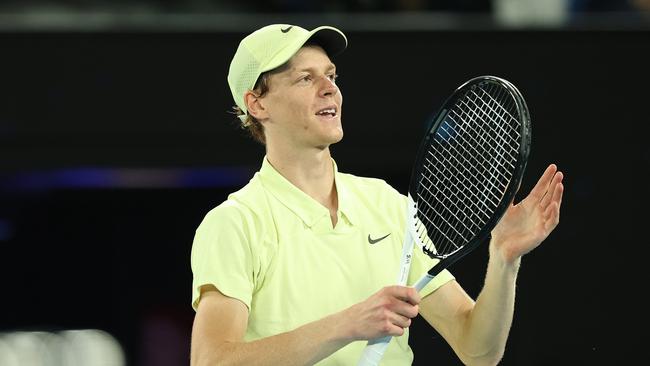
[330,111]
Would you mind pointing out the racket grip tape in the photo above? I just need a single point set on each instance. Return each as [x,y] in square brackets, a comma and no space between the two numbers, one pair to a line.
[374,351]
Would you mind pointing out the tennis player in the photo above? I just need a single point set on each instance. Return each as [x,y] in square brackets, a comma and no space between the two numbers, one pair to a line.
[296,267]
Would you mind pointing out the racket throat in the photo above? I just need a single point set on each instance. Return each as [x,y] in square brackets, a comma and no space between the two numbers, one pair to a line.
[433,272]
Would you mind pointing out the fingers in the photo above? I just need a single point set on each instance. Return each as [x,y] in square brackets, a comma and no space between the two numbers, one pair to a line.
[552,217]
[552,211]
[387,312]
[551,193]
[556,198]
[401,300]
[400,320]
[399,304]
[407,294]
[542,184]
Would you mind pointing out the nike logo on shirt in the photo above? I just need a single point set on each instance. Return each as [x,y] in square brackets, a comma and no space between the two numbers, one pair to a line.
[374,241]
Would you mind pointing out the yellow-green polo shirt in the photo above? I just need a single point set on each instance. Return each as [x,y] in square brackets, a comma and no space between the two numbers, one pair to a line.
[273,247]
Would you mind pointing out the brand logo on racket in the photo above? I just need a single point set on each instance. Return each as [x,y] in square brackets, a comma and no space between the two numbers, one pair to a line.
[285,30]
[375,241]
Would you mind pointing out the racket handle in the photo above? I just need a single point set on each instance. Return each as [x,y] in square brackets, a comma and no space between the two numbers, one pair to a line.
[423,281]
[375,348]
[374,351]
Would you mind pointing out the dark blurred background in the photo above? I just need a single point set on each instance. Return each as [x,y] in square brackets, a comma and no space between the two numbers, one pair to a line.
[115,141]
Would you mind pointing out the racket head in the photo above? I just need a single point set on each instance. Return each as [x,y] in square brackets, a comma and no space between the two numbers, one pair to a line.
[468,167]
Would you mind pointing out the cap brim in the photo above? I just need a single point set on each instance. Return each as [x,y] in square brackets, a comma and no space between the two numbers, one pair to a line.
[331,39]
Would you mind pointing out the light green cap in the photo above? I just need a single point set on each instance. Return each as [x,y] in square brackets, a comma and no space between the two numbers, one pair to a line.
[270,47]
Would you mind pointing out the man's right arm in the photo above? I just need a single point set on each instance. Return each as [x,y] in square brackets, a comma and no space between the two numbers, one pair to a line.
[220,324]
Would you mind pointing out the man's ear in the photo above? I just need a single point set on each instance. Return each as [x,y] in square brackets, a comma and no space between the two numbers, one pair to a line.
[255,105]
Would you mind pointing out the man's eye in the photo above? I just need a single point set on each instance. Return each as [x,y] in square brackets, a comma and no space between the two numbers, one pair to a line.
[333,77]
[305,78]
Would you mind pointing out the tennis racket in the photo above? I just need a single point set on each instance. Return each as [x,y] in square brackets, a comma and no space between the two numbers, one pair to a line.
[466,173]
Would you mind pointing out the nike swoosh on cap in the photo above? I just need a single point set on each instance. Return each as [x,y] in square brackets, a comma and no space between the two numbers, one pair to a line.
[374,241]
[285,30]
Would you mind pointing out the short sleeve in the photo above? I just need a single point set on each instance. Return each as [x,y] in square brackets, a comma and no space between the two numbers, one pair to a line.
[420,265]
[222,254]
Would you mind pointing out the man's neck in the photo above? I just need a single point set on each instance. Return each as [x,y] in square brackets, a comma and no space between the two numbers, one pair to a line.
[312,173]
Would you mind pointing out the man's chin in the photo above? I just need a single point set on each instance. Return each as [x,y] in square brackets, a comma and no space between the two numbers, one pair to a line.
[331,141]
[336,138]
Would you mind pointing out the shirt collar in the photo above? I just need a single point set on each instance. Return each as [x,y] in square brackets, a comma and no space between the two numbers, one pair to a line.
[304,206]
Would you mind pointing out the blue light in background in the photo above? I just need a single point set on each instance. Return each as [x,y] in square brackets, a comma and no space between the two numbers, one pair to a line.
[128,178]
[6,230]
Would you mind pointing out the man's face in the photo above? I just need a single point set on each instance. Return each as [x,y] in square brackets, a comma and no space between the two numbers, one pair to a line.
[303,102]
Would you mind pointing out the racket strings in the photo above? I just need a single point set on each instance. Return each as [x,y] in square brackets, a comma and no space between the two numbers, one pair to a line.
[495,114]
[492,149]
[464,155]
[458,193]
[495,135]
[467,168]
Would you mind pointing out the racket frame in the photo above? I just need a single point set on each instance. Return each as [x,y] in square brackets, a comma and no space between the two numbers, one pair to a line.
[524,150]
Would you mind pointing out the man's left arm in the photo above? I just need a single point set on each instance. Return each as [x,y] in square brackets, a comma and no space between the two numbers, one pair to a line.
[478,331]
